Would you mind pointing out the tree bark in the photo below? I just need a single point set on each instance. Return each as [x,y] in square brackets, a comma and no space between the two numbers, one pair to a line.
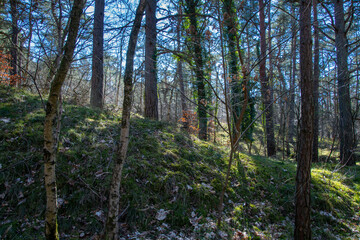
[304,154]
[151,97]
[346,127]
[180,75]
[51,129]
[291,125]
[97,77]
[196,46]
[14,41]
[120,73]
[266,90]
[315,157]
[112,225]
[231,30]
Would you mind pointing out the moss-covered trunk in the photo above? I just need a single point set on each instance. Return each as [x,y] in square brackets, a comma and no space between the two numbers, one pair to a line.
[51,119]
[197,48]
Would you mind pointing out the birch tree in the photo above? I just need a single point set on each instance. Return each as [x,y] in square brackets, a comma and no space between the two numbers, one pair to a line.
[52,122]
[112,224]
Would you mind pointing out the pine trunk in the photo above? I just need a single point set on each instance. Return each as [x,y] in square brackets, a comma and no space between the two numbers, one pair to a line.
[180,75]
[304,154]
[315,157]
[151,98]
[291,109]
[345,124]
[97,78]
[112,224]
[266,90]
[14,40]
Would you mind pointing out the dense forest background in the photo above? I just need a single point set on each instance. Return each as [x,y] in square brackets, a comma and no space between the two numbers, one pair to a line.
[212,103]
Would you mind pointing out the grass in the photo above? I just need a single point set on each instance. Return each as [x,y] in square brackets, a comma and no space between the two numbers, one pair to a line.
[166,169]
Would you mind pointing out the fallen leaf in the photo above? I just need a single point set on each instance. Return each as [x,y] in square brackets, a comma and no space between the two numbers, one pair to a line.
[161,214]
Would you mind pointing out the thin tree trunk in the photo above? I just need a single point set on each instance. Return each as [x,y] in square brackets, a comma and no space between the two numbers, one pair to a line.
[151,98]
[266,90]
[304,155]
[112,224]
[346,124]
[30,19]
[120,74]
[315,157]
[179,69]
[291,125]
[51,119]
[14,41]
[97,77]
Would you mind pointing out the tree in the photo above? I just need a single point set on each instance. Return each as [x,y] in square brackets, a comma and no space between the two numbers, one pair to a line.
[231,30]
[315,157]
[179,73]
[112,224]
[52,122]
[151,99]
[14,39]
[196,47]
[304,154]
[266,90]
[97,78]
[343,76]
[291,109]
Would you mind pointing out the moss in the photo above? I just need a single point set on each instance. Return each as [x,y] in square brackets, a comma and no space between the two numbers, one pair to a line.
[166,169]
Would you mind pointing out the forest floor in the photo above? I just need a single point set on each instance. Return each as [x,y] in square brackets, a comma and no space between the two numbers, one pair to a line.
[171,181]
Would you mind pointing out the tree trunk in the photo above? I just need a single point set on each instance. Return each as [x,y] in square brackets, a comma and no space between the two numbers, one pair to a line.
[315,157]
[345,123]
[291,126]
[304,154]
[51,129]
[179,69]
[120,74]
[14,41]
[97,77]
[31,24]
[151,98]
[112,224]
[231,30]
[196,46]
[266,90]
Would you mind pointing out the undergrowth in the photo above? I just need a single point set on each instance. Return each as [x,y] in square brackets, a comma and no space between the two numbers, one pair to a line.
[170,186]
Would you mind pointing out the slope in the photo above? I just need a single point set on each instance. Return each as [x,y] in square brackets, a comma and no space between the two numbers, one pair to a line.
[171,181]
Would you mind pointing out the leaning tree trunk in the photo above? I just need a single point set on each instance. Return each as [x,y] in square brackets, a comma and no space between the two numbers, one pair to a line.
[97,77]
[51,130]
[151,98]
[304,155]
[346,124]
[266,87]
[315,157]
[112,224]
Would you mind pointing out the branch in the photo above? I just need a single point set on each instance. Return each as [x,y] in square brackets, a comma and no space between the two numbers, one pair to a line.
[329,13]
